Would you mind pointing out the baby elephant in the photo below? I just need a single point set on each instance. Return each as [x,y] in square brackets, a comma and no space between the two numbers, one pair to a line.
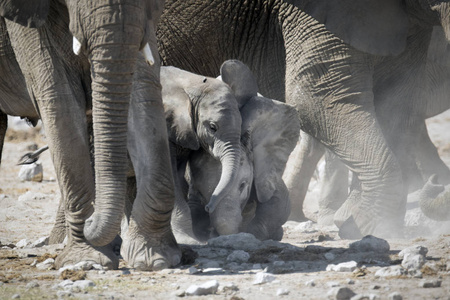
[258,202]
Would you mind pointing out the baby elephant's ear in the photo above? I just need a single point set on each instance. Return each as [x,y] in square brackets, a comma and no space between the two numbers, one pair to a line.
[178,109]
[30,13]
[274,130]
[241,80]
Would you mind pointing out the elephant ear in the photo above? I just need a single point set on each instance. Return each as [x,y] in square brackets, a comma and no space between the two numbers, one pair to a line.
[30,13]
[178,109]
[240,79]
[378,27]
[273,129]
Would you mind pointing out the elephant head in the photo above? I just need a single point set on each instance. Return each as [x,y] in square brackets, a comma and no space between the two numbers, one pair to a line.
[434,200]
[110,34]
[203,113]
[270,132]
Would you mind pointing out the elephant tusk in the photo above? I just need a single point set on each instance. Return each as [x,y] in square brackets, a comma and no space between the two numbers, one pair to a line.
[76,46]
[148,55]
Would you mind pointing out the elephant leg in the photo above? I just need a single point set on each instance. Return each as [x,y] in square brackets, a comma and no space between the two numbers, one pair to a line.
[299,169]
[3,127]
[332,90]
[59,229]
[333,188]
[148,243]
[60,98]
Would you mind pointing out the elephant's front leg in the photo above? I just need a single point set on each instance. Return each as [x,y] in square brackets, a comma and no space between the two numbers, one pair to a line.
[61,101]
[148,243]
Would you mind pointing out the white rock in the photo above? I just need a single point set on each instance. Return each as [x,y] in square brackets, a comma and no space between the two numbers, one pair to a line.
[308,226]
[40,242]
[282,292]
[65,284]
[22,243]
[208,288]
[349,266]
[413,261]
[310,283]
[83,284]
[239,256]
[262,277]
[430,283]
[31,172]
[340,293]
[46,264]
[390,271]
[417,249]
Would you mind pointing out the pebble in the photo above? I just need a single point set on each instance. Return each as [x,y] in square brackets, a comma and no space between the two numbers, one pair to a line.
[282,292]
[417,249]
[239,256]
[349,266]
[46,264]
[310,283]
[262,277]
[390,271]
[22,243]
[32,285]
[370,243]
[395,296]
[31,172]
[340,293]
[15,296]
[40,242]
[240,241]
[306,227]
[430,283]
[207,288]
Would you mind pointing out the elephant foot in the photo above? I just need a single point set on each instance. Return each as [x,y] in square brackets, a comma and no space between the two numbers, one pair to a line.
[325,217]
[150,253]
[74,252]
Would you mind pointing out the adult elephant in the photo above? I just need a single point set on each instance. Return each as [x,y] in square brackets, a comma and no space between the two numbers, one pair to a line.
[259,203]
[108,36]
[326,58]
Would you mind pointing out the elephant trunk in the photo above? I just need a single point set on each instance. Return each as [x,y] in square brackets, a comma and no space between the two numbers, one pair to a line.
[111,89]
[230,159]
[434,202]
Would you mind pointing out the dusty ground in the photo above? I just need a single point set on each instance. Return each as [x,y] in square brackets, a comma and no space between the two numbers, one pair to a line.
[27,211]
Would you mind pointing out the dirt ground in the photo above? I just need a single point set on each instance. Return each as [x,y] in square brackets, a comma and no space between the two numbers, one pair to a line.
[298,264]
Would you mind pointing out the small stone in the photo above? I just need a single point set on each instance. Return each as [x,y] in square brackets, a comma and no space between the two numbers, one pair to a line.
[310,283]
[350,281]
[83,284]
[343,267]
[262,277]
[392,271]
[282,292]
[370,243]
[213,270]
[430,283]
[239,256]
[15,296]
[22,243]
[306,227]
[46,264]
[414,250]
[413,261]
[208,288]
[180,293]
[31,172]
[340,293]
[40,242]
[193,270]
[395,296]
[32,285]
[375,287]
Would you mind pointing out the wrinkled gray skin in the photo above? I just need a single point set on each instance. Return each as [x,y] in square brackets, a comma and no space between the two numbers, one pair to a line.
[60,84]
[260,202]
[201,113]
[434,200]
[334,183]
[330,59]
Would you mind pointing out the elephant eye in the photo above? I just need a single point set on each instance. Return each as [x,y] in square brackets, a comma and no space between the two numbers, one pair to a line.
[213,127]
